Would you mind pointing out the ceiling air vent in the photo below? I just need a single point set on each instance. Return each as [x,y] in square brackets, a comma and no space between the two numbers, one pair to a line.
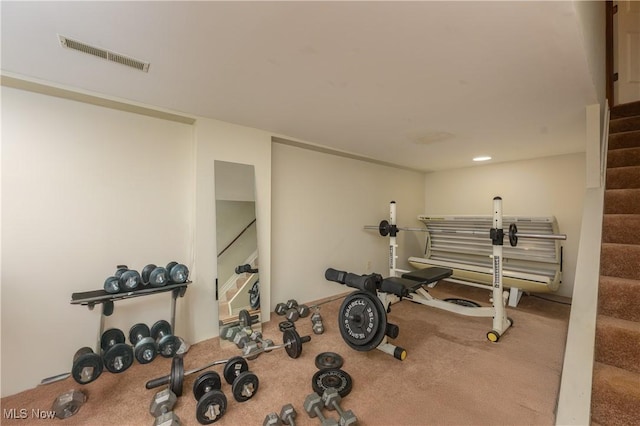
[104,54]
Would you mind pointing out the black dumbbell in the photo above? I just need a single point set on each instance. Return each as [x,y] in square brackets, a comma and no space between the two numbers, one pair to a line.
[87,365]
[178,273]
[168,344]
[244,383]
[212,403]
[145,348]
[155,276]
[117,355]
[124,279]
[281,309]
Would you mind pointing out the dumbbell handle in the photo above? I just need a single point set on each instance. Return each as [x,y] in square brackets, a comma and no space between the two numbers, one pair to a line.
[160,381]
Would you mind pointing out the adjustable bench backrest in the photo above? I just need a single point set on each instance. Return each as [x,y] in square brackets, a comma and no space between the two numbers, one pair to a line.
[462,243]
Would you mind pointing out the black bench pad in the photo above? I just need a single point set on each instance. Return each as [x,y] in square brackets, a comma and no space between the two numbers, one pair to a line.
[428,275]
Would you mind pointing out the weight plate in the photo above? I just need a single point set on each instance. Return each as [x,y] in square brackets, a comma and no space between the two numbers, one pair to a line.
[160,326]
[179,274]
[146,273]
[168,345]
[362,320]
[118,358]
[211,407]
[170,266]
[244,318]
[285,325]
[138,332]
[291,338]
[158,277]
[331,360]
[513,235]
[332,378]
[129,280]
[111,337]
[177,375]
[233,368]
[206,382]
[83,350]
[111,285]
[145,350]
[254,295]
[87,366]
[384,228]
[120,271]
[463,302]
[245,386]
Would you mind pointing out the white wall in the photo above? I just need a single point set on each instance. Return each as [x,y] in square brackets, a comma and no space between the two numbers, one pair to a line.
[320,204]
[551,186]
[84,188]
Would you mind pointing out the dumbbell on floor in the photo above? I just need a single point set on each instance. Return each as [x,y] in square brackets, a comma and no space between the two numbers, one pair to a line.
[316,320]
[212,403]
[288,415]
[162,408]
[313,406]
[145,348]
[117,355]
[87,365]
[244,383]
[168,344]
[331,399]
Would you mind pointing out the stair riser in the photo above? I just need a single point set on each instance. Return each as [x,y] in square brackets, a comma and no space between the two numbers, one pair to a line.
[619,298]
[619,347]
[623,177]
[621,229]
[625,124]
[622,201]
[623,157]
[626,110]
[610,407]
[620,260]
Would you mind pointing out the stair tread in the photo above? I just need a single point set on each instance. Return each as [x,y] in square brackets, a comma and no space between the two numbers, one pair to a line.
[615,396]
[619,298]
[629,109]
[609,321]
[624,124]
[625,379]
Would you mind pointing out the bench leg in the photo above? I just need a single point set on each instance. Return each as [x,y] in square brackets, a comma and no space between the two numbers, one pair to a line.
[514,296]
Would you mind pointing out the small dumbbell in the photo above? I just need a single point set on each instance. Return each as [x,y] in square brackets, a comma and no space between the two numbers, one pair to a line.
[281,309]
[178,273]
[288,415]
[313,407]
[272,419]
[117,355]
[303,311]
[292,314]
[155,276]
[124,279]
[168,344]
[241,338]
[265,344]
[162,402]
[212,403]
[145,348]
[331,399]
[167,419]
[244,383]
[87,365]
[318,326]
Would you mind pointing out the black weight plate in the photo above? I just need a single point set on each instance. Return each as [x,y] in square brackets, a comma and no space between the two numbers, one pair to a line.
[291,338]
[90,361]
[111,285]
[285,325]
[170,266]
[244,318]
[233,368]
[513,235]
[326,360]
[160,326]
[245,386]
[211,407]
[120,271]
[130,280]
[83,350]
[332,378]
[210,380]
[254,295]
[111,337]
[159,277]
[118,358]
[136,330]
[362,320]
[177,375]
[463,302]
[169,345]
[145,350]
[179,274]
[146,273]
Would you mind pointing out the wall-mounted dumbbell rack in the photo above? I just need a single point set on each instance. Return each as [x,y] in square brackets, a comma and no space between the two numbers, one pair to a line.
[101,297]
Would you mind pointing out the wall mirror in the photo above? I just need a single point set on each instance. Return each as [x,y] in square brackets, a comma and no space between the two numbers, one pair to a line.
[238,281]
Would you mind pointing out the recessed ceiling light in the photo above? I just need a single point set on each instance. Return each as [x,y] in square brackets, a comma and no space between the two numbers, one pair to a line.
[482,158]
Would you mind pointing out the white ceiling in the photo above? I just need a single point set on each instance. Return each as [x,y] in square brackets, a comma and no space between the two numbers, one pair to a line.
[426,85]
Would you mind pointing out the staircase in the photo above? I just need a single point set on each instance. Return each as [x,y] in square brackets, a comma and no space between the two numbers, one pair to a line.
[615,398]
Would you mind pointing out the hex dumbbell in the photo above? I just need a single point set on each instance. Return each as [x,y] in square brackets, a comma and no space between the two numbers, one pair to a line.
[87,365]
[244,383]
[316,320]
[212,403]
[117,355]
[272,419]
[168,344]
[331,399]
[162,408]
[288,415]
[145,347]
[313,406]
